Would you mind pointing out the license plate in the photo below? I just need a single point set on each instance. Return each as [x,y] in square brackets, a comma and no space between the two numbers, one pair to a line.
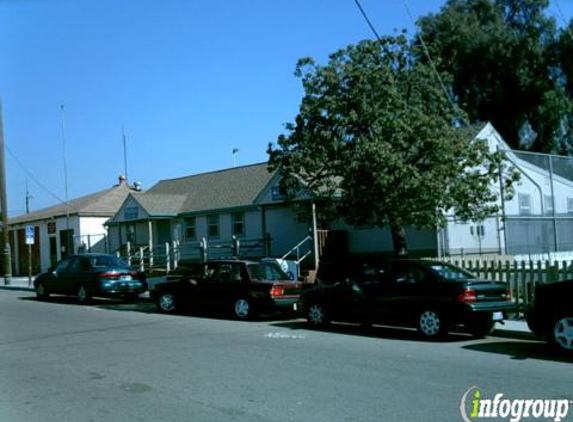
[497,316]
[125,278]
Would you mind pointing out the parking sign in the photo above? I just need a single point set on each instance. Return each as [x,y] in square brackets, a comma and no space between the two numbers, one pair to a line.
[30,235]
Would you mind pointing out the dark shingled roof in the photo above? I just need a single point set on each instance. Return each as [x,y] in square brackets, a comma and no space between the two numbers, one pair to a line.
[100,204]
[223,189]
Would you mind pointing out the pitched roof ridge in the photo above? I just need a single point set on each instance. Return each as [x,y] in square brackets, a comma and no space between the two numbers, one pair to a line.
[214,171]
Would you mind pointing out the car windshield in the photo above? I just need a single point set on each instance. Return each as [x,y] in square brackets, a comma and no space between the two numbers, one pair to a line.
[266,271]
[106,261]
[451,272]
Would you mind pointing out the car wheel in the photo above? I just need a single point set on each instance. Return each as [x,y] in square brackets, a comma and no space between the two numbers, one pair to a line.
[243,309]
[481,329]
[316,315]
[432,325]
[562,335]
[83,295]
[41,292]
[166,302]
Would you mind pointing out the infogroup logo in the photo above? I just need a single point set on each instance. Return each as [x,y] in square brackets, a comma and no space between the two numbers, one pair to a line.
[475,407]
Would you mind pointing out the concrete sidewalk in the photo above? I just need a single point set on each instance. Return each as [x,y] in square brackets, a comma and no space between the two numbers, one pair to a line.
[510,328]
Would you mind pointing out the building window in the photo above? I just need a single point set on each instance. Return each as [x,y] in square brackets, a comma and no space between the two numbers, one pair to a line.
[190,233]
[238,221]
[524,204]
[548,204]
[213,226]
[570,206]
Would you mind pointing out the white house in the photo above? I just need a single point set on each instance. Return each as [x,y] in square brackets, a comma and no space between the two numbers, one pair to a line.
[65,228]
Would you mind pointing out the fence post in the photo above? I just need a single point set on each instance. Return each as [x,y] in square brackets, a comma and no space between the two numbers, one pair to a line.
[141,260]
[167,257]
[128,252]
[175,254]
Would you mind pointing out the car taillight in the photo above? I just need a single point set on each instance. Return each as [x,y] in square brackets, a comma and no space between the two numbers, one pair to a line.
[277,291]
[468,296]
[508,296]
[108,275]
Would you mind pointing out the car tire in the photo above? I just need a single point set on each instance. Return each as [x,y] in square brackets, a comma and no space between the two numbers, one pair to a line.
[83,295]
[41,291]
[243,309]
[316,315]
[481,329]
[166,303]
[432,325]
[561,334]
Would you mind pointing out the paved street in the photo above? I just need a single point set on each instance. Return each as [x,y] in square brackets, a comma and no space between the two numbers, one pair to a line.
[60,361]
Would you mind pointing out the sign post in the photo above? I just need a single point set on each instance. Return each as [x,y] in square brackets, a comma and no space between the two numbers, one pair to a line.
[30,232]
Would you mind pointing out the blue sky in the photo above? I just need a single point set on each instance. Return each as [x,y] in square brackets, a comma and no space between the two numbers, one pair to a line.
[189,80]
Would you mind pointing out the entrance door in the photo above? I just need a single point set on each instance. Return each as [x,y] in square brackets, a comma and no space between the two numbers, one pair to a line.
[67,242]
[53,251]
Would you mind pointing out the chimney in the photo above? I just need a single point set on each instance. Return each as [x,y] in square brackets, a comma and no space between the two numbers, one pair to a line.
[122,179]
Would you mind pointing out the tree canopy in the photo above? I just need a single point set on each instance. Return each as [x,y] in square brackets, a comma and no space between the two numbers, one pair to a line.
[510,65]
[377,141]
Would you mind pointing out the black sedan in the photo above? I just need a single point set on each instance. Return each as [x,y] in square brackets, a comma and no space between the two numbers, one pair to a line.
[430,295]
[246,288]
[89,275]
[551,316]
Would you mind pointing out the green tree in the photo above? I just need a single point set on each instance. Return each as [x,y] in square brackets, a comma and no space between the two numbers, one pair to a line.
[376,141]
[502,57]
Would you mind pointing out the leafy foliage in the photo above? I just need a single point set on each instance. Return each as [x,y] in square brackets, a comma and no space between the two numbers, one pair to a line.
[377,141]
[503,57]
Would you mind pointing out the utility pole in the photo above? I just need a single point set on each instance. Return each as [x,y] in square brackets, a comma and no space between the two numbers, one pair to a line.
[67,246]
[125,155]
[28,197]
[4,208]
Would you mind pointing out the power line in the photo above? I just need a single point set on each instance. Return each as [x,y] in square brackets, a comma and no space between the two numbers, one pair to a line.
[31,176]
[368,21]
[432,64]
[562,16]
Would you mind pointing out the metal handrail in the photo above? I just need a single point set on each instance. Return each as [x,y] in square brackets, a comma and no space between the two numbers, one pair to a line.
[297,247]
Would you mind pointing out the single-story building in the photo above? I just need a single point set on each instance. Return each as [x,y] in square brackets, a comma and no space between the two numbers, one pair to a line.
[64,229]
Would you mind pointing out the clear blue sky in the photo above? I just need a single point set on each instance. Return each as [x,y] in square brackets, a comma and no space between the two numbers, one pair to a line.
[189,80]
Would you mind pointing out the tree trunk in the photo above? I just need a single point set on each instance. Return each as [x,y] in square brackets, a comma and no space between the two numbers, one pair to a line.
[399,242]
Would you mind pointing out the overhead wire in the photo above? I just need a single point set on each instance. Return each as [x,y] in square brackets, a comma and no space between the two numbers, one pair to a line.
[29,173]
[426,53]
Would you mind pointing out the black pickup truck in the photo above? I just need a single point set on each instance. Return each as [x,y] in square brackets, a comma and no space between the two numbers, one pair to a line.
[246,288]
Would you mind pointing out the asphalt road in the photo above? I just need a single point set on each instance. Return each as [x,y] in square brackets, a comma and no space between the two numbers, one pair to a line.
[60,361]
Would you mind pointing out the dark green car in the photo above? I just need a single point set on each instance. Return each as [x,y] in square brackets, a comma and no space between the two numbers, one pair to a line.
[90,275]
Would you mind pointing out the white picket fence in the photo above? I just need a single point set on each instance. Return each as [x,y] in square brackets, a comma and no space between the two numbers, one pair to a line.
[522,276]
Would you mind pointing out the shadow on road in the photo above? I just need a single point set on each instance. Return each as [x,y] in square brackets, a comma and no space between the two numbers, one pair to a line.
[522,350]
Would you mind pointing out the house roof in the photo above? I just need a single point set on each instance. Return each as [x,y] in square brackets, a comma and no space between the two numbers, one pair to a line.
[104,203]
[223,189]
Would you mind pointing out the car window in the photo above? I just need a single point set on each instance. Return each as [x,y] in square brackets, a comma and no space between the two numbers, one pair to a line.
[223,273]
[79,264]
[62,265]
[266,271]
[102,261]
[451,272]
[409,274]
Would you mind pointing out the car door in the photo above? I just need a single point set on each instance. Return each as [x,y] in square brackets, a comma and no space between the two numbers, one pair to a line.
[399,294]
[56,280]
[229,282]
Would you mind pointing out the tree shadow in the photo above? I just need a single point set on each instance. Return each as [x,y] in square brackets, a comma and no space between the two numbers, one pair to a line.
[522,350]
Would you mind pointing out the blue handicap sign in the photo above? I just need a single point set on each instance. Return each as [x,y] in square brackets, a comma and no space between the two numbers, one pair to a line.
[30,235]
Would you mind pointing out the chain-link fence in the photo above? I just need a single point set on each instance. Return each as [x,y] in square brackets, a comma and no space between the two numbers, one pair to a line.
[539,218]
